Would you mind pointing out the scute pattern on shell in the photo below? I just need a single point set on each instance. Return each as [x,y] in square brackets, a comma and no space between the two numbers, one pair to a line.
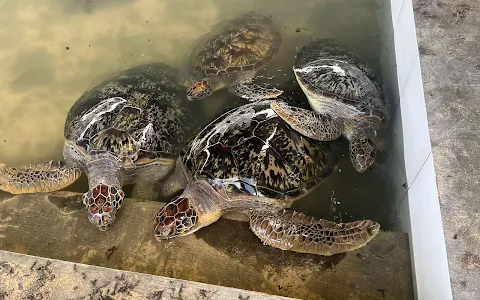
[242,44]
[142,108]
[250,150]
[324,65]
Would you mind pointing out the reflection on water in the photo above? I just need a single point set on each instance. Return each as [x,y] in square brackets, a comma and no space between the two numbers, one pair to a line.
[54,50]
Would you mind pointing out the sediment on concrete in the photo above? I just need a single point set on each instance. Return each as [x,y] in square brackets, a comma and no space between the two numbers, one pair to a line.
[226,253]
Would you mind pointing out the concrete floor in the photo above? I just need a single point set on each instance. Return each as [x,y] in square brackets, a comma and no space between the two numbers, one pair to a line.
[448,34]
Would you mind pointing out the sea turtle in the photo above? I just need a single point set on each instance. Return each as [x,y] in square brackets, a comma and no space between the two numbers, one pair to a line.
[345,96]
[231,56]
[127,129]
[251,161]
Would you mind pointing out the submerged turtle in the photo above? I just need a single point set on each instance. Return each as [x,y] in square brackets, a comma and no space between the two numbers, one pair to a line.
[127,129]
[251,161]
[88,5]
[232,56]
[345,96]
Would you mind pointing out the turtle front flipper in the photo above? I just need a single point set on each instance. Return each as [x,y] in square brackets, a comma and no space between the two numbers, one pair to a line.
[290,230]
[45,177]
[321,127]
[254,92]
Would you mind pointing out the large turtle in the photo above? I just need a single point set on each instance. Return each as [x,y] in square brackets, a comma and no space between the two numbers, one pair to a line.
[251,161]
[345,96]
[127,129]
[232,55]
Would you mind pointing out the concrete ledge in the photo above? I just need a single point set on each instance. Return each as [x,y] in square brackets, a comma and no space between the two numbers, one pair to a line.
[225,253]
[28,277]
[427,240]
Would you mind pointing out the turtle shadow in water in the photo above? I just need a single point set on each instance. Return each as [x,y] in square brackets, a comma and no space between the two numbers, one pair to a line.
[242,245]
[65,202]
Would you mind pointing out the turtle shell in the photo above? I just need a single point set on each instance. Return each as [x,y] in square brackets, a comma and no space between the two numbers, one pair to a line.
[140,109]
[251,151]
[326,68]
[242,44]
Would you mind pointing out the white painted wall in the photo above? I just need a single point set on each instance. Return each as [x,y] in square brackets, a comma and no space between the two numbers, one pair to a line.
[417,206]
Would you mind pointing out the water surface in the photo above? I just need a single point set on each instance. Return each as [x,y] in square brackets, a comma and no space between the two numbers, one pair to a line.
[54,50]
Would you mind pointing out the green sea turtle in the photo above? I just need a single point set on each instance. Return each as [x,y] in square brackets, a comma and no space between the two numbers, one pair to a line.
[231,56]
[251,161]
[127,129]
[345,96]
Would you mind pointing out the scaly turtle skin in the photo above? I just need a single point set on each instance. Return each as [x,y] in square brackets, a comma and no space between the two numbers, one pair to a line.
[231,56]
[127,129]
[345,96]
[251,161]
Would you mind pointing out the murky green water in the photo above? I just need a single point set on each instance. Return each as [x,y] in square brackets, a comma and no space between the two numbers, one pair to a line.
[54,50]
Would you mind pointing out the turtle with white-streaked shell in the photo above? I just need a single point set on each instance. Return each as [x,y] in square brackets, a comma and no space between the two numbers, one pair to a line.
[127,129]
[250,161]
[346,97]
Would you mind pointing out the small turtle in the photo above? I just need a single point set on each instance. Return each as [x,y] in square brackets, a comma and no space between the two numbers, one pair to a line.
[251,161]
[232,56]
[128,129]
[345,96]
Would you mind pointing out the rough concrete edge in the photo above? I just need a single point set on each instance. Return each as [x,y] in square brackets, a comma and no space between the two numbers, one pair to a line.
[63,271]
[422,242]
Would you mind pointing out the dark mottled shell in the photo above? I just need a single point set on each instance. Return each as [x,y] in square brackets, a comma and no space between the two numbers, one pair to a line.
[149,113]
[242,44]
[357,86]
[250,150]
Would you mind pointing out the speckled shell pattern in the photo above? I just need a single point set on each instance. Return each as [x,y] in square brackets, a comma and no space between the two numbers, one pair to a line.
[340,75]
[142,108]
[243,44]
[251,151]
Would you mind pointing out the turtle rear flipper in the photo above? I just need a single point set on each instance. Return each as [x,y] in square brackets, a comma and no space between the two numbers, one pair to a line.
[321,127]
[45,177]
[254,92]
[290,230]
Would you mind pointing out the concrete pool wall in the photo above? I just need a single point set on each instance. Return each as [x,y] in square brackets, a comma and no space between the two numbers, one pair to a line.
[417,205]
[416,200]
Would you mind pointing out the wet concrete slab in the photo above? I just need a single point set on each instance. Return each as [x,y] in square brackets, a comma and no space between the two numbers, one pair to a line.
[30,277]
[226,253]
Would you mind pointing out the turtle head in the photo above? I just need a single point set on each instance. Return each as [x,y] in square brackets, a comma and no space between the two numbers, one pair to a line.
[105,196]
[199,90]
[362,153]
[197,207]
[103,203]
[177,218]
